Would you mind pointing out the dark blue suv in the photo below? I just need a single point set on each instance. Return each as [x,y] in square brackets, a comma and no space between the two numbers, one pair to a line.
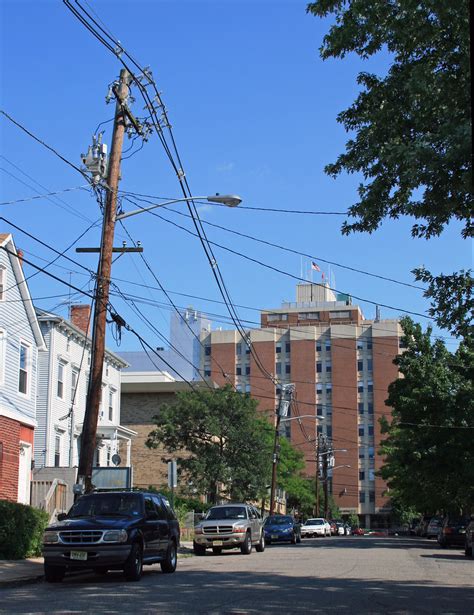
[113,530]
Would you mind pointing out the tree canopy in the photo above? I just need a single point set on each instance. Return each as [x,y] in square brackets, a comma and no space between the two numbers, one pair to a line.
[219,441]
[410,129]
[428,451]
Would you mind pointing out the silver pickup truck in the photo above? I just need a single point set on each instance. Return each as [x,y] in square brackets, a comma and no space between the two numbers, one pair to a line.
[229,526]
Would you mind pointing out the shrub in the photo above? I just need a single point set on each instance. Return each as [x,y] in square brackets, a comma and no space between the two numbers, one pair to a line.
[21,530]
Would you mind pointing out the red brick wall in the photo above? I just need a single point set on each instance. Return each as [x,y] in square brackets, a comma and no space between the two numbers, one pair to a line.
[303,368]
[384,351]
[345,422]
[27,434]
[80,317]
[262,388]
[9,458]
[223,360]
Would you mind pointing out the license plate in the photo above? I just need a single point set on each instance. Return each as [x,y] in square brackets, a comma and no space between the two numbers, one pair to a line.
[81,555]
[217,543]
[274,536]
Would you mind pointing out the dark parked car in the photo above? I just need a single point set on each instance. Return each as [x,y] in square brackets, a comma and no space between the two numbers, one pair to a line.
[469,543]
[433,527]
[113,530]
[453,531]
[280,528]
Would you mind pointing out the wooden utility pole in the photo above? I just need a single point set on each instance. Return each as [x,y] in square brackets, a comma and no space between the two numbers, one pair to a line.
[276,446]
[317,476]
[89,429]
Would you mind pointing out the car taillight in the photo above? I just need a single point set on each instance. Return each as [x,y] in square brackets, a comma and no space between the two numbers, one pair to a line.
[448,530]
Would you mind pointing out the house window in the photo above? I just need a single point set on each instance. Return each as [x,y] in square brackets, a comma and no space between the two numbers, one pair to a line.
[361,407]
[111,405]
[287,347]
[3,278]
[362,497]
[24,380]
[207,351]
[238,349]
[74,381]
[361,475]
[328,367]
[360,366]
[319,367]
[107,370]
[60,383]
[109,455]
[57,451]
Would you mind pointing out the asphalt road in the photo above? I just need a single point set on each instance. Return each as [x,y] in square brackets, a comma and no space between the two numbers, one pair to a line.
[322,575]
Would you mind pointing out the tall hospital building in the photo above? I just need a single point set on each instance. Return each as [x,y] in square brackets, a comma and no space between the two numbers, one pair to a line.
[341,365]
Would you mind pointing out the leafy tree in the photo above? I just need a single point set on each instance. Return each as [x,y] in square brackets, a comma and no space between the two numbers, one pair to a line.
[219,441]
[428,445]
[411,128]
[353,520]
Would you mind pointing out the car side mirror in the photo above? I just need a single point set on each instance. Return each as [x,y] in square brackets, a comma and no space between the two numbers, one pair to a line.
[61,516]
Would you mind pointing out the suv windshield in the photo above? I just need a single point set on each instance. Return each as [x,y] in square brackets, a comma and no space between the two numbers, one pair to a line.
[107,504]
[314,522]
[226,512]
[279,520]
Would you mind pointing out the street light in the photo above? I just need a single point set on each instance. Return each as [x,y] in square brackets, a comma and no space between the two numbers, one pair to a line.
[230,200]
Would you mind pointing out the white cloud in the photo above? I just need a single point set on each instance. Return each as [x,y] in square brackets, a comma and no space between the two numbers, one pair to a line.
[225,167]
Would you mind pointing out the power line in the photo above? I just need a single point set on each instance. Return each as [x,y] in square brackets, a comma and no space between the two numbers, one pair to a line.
[41,196]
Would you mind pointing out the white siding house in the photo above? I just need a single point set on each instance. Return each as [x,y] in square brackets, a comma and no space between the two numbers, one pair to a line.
[62,388]
[20,341]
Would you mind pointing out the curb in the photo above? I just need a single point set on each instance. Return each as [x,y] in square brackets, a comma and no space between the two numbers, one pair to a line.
[21,581]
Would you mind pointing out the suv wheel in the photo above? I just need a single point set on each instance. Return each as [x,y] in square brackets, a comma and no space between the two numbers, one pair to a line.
[54,574]
[246,546]
[260,548]
[468,550]
[199,549]
[168,565]
[134,564]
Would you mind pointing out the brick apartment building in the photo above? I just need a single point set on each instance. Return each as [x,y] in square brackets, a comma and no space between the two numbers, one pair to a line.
[341,365]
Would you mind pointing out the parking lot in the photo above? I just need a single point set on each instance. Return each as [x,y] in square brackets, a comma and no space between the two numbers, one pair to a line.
[321,575]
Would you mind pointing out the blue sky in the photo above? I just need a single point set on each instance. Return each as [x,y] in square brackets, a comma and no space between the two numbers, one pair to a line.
[253,110]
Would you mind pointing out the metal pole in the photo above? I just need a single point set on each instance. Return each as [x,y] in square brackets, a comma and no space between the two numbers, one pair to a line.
[89,429]
[317,476]
[325,478]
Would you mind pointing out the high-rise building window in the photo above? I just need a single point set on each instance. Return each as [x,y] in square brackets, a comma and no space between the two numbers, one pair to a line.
[319,429]
[361,430]
[360,345]
[369,344]
[319,389]
[361,475]
[370,365]
[287,347]
[247,370]
[207,373]
[370,407]
[360,366]
[371,496]
[238,370]
[361,453]
[278,368]
[370,386]
[329,431]
[371,474]
[318,346]
[362,497]
[287,368]
[247,388]
[319,409]
[238,349]
[360,386]
[361,407]
[327,345]
[278,349]
[319,367]
[371,430]
[247,348]
[371,452]
[207,351]
[328,367]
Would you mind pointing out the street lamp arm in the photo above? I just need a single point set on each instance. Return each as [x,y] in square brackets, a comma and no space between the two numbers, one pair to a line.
[231,200]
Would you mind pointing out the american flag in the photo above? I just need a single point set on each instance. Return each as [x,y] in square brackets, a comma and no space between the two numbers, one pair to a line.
[315,266]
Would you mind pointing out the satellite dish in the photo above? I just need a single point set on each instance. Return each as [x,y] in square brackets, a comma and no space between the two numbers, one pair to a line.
[116,459]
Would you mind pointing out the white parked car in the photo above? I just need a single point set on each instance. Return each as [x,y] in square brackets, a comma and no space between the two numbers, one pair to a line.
[315,527]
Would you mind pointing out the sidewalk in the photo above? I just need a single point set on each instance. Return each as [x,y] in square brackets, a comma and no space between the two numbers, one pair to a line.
[22,571]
